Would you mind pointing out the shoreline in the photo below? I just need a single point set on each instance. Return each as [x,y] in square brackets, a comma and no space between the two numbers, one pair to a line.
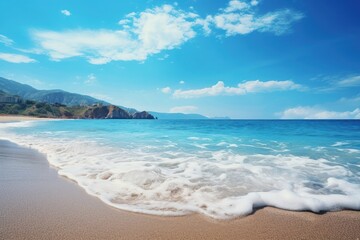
[37,203]
[20,118]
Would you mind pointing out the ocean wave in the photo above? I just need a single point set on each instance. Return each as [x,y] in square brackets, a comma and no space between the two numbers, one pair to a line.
[219,183]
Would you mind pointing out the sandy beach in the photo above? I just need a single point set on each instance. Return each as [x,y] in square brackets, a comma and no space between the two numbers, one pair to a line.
[18,118]
[180,120]
[37,203]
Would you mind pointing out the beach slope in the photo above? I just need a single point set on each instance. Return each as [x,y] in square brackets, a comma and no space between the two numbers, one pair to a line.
[37,203]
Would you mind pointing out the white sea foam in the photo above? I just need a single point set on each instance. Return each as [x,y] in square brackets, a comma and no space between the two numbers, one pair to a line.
[338,144]
[164,180]
[349,150]
[197,138]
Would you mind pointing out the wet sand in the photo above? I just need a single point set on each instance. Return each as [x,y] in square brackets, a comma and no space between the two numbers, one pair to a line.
[36,203]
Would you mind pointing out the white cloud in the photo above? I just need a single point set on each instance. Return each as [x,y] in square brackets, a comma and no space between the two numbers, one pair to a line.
[124,21]
[318,113]
[143,34]
[16,58]
[182,82]
[235,5]
[350,81]
[243,88]
[183,109]
[210,91]
[259,86]
[91,79]
[98,46]
[5,40]
[254,2]
[148,33]
[66,12]
[205,24]
[240,18]
[163,28]
[166,90]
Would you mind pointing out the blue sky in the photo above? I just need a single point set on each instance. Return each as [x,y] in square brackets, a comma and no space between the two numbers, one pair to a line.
[242,59]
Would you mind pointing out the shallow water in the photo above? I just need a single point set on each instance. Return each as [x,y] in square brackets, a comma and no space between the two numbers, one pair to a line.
[219,168]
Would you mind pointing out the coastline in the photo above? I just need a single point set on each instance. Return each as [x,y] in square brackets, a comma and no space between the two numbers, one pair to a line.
[37,203]
[19,118]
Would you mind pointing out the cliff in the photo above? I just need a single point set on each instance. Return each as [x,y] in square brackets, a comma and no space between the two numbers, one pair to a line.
[113,112]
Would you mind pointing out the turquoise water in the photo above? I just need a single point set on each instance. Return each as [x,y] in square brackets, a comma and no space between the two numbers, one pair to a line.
[219,168]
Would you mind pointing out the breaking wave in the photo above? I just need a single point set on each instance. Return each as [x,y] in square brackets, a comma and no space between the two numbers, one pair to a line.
[211,178]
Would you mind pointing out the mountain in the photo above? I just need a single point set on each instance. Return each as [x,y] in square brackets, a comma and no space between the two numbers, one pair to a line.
[8,98]
[73,99]
[49,96]
[12,104]
[177,115]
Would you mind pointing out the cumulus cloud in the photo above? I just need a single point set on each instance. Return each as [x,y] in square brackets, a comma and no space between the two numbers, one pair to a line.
[254,2]
[166,90]
[16,58]
[240,17]
[183,109]
[66,12]
[242,88]
[5,40]
[182,82]
[236,5]
[318,113]
[163,28]
[143,34]
[148,33]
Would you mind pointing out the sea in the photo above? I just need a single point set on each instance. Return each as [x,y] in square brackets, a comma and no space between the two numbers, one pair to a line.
[222,169]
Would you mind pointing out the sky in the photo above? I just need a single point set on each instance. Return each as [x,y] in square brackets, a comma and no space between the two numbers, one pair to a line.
[255,59]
